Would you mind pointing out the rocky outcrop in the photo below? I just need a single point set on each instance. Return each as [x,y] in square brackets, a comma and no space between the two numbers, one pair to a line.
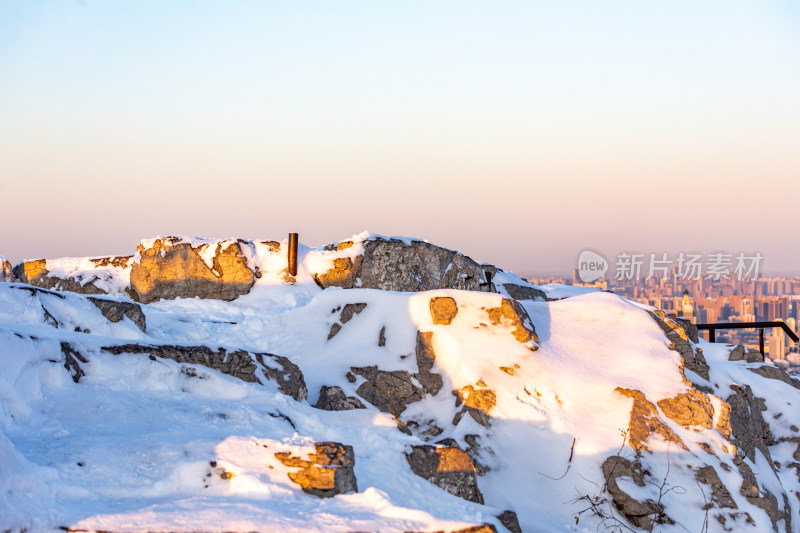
[478,402]
[645,422]
[749,431]
[6,272]
[691,408]
[644,514]
[35,273]
[395,265]
[327,472]
[773,372]
[171,268]
[522,292]
[239,364]
[720,496]
[115,311]
[334,399]
[680,333]
[431,382]
[448,468]
[510,521]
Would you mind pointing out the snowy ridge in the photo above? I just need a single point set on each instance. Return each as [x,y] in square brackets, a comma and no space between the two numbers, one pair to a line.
[585,413]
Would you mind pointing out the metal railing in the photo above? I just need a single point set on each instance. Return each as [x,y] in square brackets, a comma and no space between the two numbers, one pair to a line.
[712,328]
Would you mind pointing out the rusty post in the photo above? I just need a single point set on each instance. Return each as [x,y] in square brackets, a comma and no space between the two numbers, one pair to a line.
[293,254]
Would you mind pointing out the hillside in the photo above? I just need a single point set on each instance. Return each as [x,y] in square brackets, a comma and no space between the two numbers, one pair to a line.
[391,385]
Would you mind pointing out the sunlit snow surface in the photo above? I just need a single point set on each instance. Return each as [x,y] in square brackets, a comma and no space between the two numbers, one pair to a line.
[138,444]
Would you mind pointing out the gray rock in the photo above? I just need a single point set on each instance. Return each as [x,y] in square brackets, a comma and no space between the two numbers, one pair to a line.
[749,431]
[748,355]
[521,292]
[35,273]
[6,272]
[773,372]
[448,468]
[510,521]
[114,311]
[347,313]
[334,399]
[389,391]
[720,497]
[680,332]
[643,514]
[392,265]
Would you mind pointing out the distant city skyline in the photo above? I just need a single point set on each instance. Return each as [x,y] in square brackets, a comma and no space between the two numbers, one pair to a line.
[518,133]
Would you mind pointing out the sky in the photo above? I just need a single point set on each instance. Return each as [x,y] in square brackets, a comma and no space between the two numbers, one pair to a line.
[519,133]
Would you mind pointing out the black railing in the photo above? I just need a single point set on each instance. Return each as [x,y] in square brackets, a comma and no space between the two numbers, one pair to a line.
[712,328]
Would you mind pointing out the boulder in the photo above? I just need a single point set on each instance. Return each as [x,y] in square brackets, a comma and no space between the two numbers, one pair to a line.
[327,472]
[691,408]
[522,292]
[443,310]
[749,431]
[448,468]
[478,402]
[36,273]
[114,311]
[645,422]
[510,521]
[170,268]
[389,391]
[431,382]
[511,314]
[397,265]
[680,332]
[334,399]
[748,355]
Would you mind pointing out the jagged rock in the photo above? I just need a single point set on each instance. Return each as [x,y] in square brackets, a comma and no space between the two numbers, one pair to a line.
[477,402]
[763,498]
[382,337]
[327,472]
[748,355]
[678,333]
[643,514]
[512,314]
[6,272]
[347,313]
[510,521]
[171,268]
[521,292]
[448,468]
[690,408]
[443,310]
[72,360]
[773,372]
[389,391]
[239,364]
[35,273]
[431,383]
[748,429]
[114,311]
[720,496]
[334,399]
[393,265]
[644,422]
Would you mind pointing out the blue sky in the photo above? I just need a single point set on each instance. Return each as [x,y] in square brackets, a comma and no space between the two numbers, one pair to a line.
[516,132]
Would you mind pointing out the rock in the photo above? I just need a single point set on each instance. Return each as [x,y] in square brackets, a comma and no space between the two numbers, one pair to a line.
[748,355]
[431,383]
[35,273]
[239,364]
[394,265]
[643,514]
[448,468]
[347,313]
[748,429]
[443,310]
[512,314]
[72,360]
[521,292]
[690,408]
[763,498]
[645,422]
[327,472]
[389,391]
[115,310]
[720,496]
[477,402]
[6,272]
[675,330]
[773,372]
[171,268]
[510,521]
[334,399]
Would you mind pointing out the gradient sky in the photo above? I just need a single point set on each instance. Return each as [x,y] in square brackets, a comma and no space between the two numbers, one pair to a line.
[516,132]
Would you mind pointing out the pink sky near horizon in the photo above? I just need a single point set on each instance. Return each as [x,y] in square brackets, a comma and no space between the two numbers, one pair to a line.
[519,134]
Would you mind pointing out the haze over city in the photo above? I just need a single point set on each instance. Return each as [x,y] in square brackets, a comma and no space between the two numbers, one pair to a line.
[518,133]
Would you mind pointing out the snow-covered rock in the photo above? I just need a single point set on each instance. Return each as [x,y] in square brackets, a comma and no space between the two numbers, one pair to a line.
[6,273]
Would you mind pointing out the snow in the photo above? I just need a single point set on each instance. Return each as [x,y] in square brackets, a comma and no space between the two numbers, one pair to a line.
[142,444]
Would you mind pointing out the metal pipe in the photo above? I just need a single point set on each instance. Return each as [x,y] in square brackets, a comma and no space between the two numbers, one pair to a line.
[761,340]
[293,254]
